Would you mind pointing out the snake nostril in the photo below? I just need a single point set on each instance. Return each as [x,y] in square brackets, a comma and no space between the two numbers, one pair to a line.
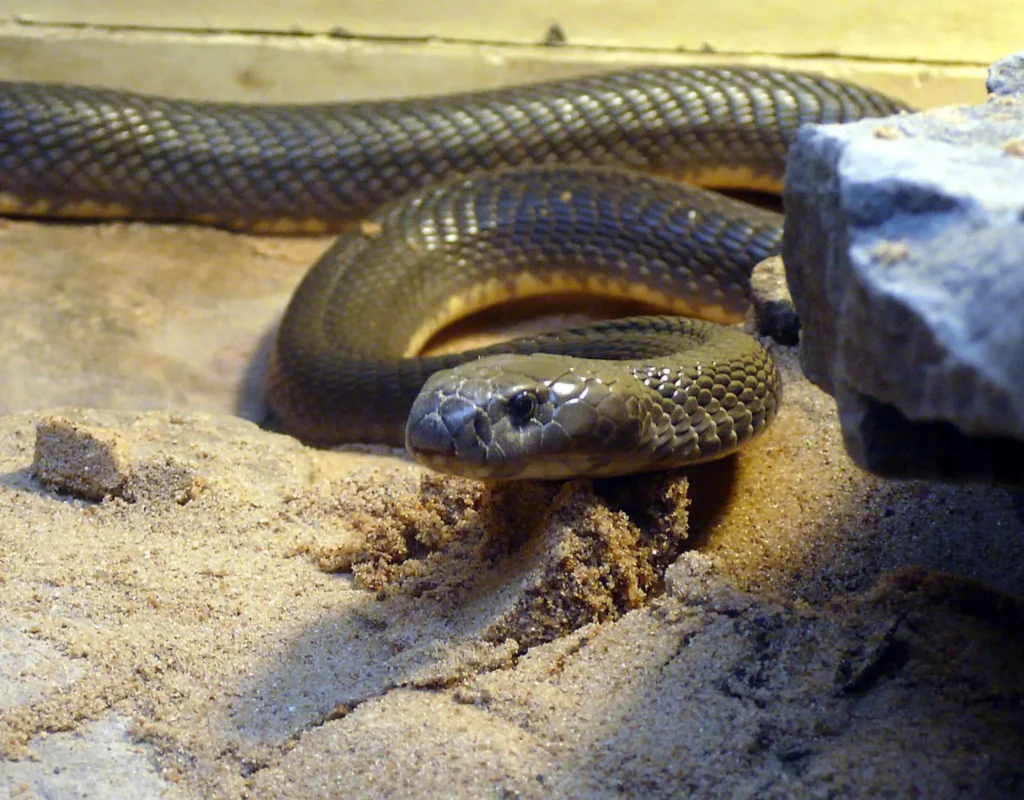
[460,418]
[482,427]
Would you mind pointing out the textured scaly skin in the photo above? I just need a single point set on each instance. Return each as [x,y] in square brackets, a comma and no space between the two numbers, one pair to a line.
[339,371]
[78,151]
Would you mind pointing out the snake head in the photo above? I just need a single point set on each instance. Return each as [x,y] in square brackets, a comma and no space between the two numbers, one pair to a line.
[533,416]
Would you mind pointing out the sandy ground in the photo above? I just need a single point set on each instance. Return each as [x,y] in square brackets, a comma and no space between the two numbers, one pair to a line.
[191,606]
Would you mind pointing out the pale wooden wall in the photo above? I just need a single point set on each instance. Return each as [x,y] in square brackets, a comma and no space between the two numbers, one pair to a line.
[930,53]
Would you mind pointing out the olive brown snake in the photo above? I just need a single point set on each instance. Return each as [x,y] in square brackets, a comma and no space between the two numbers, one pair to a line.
[467,201]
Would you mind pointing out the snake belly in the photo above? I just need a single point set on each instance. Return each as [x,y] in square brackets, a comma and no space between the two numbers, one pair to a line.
[344,368]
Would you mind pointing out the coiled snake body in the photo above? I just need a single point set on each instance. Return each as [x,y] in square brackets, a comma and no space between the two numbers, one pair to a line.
[545,199]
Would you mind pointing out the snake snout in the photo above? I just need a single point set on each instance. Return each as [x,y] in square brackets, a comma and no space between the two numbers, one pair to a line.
[441,425]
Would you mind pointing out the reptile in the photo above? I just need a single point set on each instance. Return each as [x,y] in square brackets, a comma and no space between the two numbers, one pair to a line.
[459,202]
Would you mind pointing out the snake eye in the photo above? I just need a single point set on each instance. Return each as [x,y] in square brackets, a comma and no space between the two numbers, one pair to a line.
[522,406]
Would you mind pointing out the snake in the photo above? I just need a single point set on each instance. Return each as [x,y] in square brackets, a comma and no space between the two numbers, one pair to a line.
[459,202]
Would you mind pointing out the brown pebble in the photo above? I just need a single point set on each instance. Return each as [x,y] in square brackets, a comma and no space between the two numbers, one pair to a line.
[90,463]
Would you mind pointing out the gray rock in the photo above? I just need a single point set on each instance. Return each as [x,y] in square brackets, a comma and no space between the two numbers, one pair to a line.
[1006,77]
[904,250]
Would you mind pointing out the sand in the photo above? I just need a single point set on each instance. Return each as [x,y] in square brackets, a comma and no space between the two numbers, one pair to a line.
[191,606]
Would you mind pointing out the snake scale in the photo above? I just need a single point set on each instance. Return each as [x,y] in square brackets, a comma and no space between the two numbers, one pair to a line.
[468,200]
